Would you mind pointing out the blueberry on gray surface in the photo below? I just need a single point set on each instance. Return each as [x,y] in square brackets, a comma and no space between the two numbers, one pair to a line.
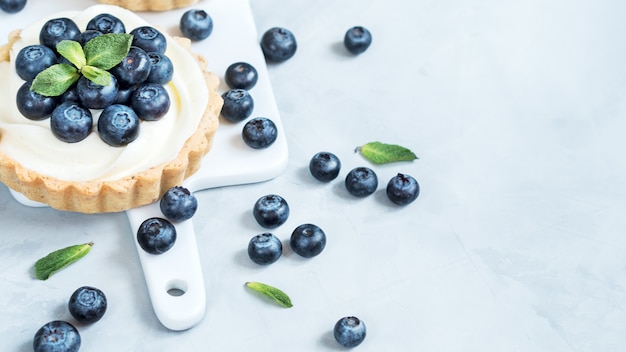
[196,24]
[259,133]
[241,75]
[12,6]
[178,204]
[71,122]
[106,23]
[95,96]
[402,189]
[161,68]
[33,59]
[357,39]
[150,101]
[32,105]
[156,235]
[238,105]
[325,166]
[361,182]
[57,336]
[149,39]
[271,211]
[88,35]
[278,44]
[308,240]
[349,331]
[133,69]
[265,249]
[118,125]
[87,304]
[56,30]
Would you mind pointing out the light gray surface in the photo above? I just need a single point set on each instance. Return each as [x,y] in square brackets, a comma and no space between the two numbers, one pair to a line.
[517,112]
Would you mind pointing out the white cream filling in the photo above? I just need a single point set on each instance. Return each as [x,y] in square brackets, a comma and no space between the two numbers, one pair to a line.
[34,146]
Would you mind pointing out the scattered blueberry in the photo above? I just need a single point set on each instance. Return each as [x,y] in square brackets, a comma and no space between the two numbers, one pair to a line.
[95,96]
[271,211]
[70,122]
[361,182]
[241,75]
[118,125]
[265,249]
[57,336]
[149,39]
[12,6]
[308,240]
[178,204]
[238,105]
[133,69]
[278,44]
[357,40]
[56,30]
[33,59]
[196,24]
[349,331]
[150,101]
[32,105]
[88,35]
[259,133]
[402,189]
[156,235]
[106,23]
[325,166]
[161,68]
[87,304]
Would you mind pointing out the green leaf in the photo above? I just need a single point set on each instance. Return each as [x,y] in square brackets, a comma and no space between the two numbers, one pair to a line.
[73,52]
[55,80]
[382,153]
[272,292]
[97,75]
[106,51]
[59,259]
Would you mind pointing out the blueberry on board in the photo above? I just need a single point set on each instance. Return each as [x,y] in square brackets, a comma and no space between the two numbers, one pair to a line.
[325,166]
[161,68]
[196,24]
[70,122]
[265,249]
[150,101]
[271,211]
[402,189]
[88,35]
[156,235]
[238,105]
[178,204]
[87,304]
[33,59]
[259,133]
[32,105]
[308,240]
[95,96]
[349,331]
[106,23]
[361,182]
[56,336]
[278,44]
[56,30]
[12,6]
[133,69]
[149,39]
[357,39]
[241,75]
[118,125]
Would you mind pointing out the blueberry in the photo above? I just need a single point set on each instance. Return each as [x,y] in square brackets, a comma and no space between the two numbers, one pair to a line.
[87,304]
[57,336]
[32,105]
[33,59]
[95,96]
[133,69]
[278,44]
[325,166]
[161,68]
[149,39]
[308,240]
[238,105]
[361,182]
[178,204]
[70,95]
[196,24]
[118,125]
[241,75]
[259,133]
[265,249]
[56,30]
[70,122]
[156,235]
[124,94]
[150,101]
[349,331]
[106,23]
[12,6]
[357,40]
[87,36]
[402,189]
[271,211]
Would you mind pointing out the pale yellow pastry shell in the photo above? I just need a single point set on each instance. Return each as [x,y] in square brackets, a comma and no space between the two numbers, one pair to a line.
[150,5]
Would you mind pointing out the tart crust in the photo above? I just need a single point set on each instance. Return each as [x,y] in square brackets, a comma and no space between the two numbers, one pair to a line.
[118,195]
[150,5]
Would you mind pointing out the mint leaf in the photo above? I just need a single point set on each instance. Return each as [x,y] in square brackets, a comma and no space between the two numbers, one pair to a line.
[55,80]
[97,75]
[277,295]
[73,52]
[59,259]
[106,51]
[382,153]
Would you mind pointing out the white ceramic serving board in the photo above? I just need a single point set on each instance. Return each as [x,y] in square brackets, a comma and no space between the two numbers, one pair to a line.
[174,279]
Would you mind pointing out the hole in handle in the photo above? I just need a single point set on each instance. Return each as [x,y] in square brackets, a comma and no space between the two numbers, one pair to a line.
[176,288]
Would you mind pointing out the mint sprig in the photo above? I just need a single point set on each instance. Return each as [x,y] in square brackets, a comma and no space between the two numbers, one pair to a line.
[277,295]
[59,259]
[99,55]
[383,153]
